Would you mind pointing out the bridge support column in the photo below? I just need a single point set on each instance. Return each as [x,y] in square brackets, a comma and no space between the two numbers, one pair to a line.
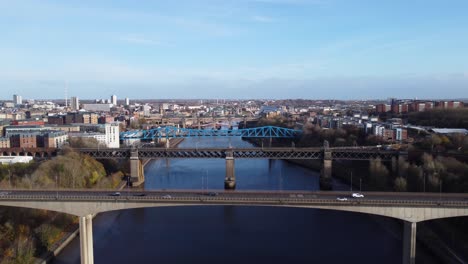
[327,164]
[409,242]
[326,173]
[86,239]
[230,180]
[137,175]
[168,143]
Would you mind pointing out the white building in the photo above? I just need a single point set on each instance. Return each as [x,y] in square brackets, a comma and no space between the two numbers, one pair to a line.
[379,130]
[97,107]
[17,99]
[109,138]
[127,101]
[75,103]
[112,135]
[114,99]
[15,159]
[146,110]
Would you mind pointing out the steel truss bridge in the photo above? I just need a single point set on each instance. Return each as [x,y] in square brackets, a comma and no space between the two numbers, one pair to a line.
[245,153]
[174,132]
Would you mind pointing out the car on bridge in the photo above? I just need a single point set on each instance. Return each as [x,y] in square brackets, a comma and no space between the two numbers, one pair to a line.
[167,196]
[357,195]
[212,194]
[115,194]
[342,199]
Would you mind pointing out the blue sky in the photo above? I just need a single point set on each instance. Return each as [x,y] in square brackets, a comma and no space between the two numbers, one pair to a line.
[341,49]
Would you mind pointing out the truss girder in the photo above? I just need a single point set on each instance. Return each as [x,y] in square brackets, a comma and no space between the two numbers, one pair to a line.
[252,153]
[174,132]
[363,155]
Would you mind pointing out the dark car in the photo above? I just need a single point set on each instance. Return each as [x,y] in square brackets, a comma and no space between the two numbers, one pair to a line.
[212,194]
[115,194]
[140,194]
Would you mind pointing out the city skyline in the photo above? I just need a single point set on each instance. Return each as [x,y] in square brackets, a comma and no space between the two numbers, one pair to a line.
[327,49]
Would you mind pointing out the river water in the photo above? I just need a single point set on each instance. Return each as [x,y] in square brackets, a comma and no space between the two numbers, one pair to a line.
[236,234]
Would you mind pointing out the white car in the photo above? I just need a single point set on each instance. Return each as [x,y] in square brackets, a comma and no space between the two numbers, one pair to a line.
[342,199]
[358,195]
[167,196]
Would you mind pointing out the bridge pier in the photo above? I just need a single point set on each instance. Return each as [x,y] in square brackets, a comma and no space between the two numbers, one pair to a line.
[230,180]
[86,239]
[326,173]
[409,242]
[137,175]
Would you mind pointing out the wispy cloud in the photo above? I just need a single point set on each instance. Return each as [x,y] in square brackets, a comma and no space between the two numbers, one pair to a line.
[262,19]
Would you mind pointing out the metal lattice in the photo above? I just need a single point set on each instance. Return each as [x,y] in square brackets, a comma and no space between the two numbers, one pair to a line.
[174,132]
[245,153]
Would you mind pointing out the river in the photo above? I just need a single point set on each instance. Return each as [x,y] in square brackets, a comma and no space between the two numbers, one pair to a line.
[237,234]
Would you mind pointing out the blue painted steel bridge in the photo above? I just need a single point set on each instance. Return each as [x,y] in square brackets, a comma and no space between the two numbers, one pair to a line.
[174,132]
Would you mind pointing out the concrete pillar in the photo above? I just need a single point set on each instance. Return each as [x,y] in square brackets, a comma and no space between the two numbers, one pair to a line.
[168,143]
[89,237]
[230,180]
[409,242]
[86,239]
[83,241]
[327,164]
[270,142]
[137,175]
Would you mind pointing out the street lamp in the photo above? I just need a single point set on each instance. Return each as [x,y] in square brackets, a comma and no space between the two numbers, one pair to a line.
[360,184]
[351,185]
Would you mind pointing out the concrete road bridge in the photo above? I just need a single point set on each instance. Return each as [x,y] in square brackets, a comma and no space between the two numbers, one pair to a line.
[409,207]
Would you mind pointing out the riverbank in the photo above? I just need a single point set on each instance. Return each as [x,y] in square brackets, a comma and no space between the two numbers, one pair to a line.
[69,235]
[433,245]
[73,232]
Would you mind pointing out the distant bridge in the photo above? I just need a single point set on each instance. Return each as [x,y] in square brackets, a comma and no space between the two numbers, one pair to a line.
[173,132]
[327,155]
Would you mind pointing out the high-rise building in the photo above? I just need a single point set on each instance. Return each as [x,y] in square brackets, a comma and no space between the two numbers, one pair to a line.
[114,99]
[17,99]
[127,101]
[75,103]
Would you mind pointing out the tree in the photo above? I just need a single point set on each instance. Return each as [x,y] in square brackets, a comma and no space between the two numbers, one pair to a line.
[378,174]
[400,184]
[435,141]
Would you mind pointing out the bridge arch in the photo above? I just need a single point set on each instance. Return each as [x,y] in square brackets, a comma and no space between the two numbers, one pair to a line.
[410,214]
